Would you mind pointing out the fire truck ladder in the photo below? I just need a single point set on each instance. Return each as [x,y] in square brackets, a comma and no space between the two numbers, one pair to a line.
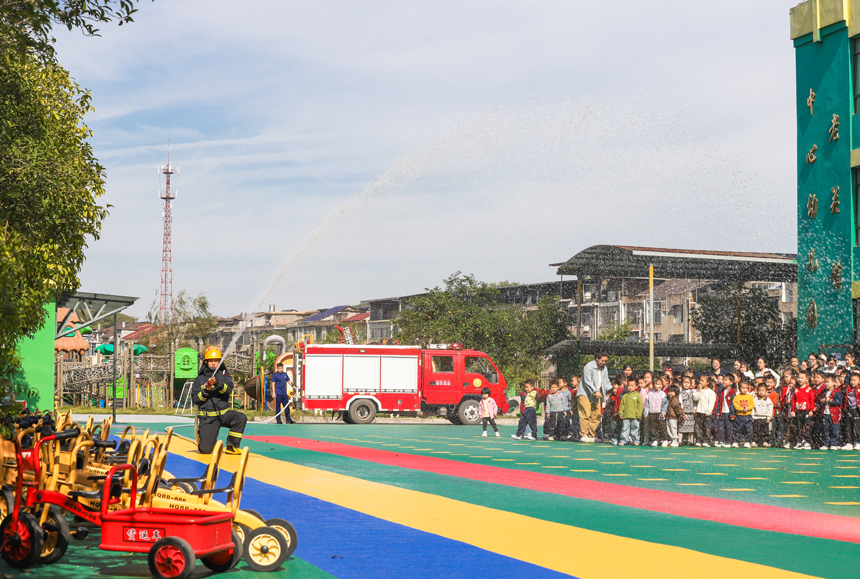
[346,335]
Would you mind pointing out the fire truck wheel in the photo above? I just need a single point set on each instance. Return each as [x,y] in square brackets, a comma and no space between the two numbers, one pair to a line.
[56,537]
[346,417]
[468,412]
[171,558]
[454,419]
[7,502]
[265,549]
[288,530]
[362,412]
[227,559]
[22,545]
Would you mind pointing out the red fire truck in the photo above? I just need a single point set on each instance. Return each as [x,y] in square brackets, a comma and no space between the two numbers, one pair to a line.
[360,381]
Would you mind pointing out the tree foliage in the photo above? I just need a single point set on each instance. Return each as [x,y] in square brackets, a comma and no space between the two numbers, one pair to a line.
[763,333]
[26,25]
[50,182]
[617,332]
[468,311]
[191,320]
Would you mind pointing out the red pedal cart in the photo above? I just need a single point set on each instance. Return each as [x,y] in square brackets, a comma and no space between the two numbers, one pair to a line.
[173,539]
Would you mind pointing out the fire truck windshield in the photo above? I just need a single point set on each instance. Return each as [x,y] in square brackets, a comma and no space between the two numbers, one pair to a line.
[483,367]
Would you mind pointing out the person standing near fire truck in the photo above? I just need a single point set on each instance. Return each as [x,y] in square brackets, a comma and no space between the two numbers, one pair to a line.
[211,394]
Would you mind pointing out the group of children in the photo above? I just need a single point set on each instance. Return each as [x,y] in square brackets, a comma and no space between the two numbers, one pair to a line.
[812,405]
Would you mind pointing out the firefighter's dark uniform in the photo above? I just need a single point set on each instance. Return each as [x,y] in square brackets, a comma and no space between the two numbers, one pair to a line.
[213,410]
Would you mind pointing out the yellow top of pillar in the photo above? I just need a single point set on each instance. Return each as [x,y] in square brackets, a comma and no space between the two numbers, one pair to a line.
[813,15]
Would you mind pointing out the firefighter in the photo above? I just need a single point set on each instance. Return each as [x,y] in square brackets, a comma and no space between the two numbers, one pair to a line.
[211,394]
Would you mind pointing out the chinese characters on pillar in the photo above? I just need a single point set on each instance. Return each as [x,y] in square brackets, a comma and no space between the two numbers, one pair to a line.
[810,156]
[834,205]
[810,100]
[812,206]
[836,275]
[812,264]
[834,129]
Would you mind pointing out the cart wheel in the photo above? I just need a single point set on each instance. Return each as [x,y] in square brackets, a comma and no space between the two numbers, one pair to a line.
[265,549]
[7,502]
[254,513]
[171,558]
[22,545]
[227,559]
[186,488]
[56,537]
[288,530]
[242,531]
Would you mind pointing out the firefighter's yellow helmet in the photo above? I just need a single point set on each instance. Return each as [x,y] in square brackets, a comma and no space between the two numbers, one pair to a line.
[212,353]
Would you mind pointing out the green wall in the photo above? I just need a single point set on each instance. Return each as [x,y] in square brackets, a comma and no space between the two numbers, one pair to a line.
[825,67]
[37,363]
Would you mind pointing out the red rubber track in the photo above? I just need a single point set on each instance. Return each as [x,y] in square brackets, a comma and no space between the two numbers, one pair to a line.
[730,512]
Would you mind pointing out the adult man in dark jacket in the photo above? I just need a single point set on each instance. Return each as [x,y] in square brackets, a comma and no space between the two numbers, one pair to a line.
[211,394]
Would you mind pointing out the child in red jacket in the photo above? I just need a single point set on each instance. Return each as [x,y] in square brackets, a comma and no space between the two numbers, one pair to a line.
[801,406]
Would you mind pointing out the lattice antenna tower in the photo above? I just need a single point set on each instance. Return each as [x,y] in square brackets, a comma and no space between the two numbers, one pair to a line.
[165,297]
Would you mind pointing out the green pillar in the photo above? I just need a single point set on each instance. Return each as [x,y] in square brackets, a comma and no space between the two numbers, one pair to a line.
[825,199]
[35,381]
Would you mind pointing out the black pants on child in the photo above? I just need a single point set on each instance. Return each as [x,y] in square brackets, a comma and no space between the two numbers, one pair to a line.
[852,426]
[553,425]
[801,421]
[654,428]
[492,422]
[703,428]
[743,429]
[761,432]
[528,416]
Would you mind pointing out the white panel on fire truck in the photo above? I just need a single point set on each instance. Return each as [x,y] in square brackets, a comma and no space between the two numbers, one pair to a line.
[399,373]
[323,376]
[361,373]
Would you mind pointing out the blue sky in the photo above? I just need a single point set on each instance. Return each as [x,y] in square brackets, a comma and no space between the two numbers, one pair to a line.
[492,138]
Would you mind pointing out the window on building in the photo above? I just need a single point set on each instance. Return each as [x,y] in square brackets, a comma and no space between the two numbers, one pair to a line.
[677,311]
[657,336]
[855,62]
[856,205]
[658,313]
[443,363]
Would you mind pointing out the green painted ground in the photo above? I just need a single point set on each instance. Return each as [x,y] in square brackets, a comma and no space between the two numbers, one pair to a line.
[819,481]
[795,553]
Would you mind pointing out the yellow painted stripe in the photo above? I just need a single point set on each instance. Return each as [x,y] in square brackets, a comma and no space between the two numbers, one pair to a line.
[487,528]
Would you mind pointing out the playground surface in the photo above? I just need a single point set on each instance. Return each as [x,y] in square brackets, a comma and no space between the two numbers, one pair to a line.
[441,501]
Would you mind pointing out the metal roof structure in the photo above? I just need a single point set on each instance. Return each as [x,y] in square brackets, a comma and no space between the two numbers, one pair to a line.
[630,261]
[96,306]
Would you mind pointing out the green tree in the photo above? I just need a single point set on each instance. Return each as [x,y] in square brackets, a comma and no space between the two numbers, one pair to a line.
[763,333]
[617,332]
[468,311]
[26,25]
[49,185]
[191,320]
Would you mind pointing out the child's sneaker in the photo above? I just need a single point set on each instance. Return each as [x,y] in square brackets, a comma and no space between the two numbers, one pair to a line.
[734,445]
[807,446]
[787,445]
[636,444]
[614,442]
[754,445]
[622,443]
[848,446]
[654,443]
[674,444]
[823,448]
[497,433]
[698,444]
[516,436]
[665,443]
[834,448]
[484,433]
[766,445]
[747,445]
[529,437]
[551,438]
[706,445]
